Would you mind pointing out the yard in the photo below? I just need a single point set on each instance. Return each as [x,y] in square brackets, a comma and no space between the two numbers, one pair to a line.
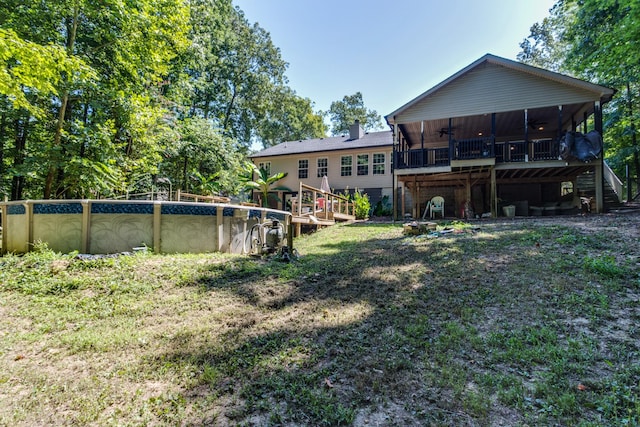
[505,322]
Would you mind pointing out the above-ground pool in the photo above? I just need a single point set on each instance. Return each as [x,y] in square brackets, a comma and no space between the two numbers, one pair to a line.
[112,226]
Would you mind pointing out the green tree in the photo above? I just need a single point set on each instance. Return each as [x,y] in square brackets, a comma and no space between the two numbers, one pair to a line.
[290,118]
[110,124]
[264,183]
[596,40]
[27,68]
[197,154]
[351,108]
[603,37]
[546,46]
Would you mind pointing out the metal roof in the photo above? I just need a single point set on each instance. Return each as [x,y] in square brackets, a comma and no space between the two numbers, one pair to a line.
[335,143]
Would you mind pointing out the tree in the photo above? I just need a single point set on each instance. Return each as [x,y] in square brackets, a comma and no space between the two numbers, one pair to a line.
[197,154]
[264,183]
[28,69]
[603,38]
[351,108]
[111,123]
[546,46]
[596,40]
[289,118]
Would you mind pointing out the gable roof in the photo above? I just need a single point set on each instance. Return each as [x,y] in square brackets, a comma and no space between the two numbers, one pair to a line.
[525,71]
[335,143]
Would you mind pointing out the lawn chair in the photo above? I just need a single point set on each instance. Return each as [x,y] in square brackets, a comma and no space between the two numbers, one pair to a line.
[437,206]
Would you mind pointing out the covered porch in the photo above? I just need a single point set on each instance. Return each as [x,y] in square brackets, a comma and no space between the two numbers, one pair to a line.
[494,124]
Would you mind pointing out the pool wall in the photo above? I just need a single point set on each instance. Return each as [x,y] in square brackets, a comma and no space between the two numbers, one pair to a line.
[112,226]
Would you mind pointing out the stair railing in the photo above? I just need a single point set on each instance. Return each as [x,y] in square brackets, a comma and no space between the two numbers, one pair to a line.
[613,181]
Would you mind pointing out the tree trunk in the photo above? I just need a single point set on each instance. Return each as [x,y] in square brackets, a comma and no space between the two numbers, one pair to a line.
[185,183]
[634,138]
[57,137]
[3,124]
[227,117]
[17,183]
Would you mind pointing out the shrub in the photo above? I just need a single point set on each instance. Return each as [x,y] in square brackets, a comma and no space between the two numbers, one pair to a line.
[361,204]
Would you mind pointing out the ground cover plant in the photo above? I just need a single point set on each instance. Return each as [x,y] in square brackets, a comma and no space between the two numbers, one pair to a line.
[517,322]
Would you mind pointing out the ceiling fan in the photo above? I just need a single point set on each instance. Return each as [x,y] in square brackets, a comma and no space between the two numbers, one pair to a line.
[445,131]
[535,124]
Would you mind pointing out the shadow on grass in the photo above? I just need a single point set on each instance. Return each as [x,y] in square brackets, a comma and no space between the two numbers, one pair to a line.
[371,323]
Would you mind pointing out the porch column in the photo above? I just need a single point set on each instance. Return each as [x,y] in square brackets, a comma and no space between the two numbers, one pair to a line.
[449,131]
[493,134]
[526,135]
[597,119]
[494,193]
[422,143]
[559,121]
[402,201]
[394,189]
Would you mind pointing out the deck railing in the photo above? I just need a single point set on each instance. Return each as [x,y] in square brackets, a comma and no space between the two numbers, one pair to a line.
[474,148]
[321,204]
[478,148]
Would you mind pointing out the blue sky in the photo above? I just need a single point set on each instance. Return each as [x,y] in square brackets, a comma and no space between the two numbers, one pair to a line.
[390,51]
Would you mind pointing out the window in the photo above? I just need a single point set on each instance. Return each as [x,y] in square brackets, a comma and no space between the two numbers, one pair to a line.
[363,164]
[323,167]
[303,168]
[266,166]
[345,165]
[378,163]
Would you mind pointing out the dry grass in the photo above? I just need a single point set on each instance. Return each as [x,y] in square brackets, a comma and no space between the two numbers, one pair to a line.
[503,323]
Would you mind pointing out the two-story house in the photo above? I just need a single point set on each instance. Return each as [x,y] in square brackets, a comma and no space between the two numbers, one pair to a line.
[488,135]
[360,160]
[491,133]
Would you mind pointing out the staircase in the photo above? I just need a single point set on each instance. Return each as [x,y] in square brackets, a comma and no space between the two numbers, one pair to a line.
[586,184]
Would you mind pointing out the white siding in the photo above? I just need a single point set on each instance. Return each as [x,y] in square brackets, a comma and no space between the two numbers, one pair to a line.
[493,88]
[289,164]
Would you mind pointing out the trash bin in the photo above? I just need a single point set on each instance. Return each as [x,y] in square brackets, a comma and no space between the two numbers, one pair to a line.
[509,211]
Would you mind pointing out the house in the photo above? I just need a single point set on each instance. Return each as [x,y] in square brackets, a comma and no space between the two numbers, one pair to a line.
[360,160]
[487,137]
[490,135]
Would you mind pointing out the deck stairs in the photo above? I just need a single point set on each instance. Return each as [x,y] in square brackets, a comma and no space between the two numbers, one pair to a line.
[587,188]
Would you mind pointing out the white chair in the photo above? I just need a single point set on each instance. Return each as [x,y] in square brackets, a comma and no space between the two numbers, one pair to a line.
[436,206]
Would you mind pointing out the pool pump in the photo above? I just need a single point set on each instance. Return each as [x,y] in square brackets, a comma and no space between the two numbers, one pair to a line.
[267,238]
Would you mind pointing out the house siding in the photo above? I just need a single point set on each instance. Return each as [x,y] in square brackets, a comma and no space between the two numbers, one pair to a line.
[493,88]
[289,164]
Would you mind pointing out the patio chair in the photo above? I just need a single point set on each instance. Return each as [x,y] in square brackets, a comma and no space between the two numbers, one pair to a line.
[437,206]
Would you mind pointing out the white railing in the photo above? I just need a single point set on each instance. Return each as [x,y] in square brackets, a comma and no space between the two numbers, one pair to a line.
[613,181]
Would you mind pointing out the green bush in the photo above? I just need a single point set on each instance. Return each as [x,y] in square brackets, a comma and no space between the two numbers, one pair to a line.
[362,205]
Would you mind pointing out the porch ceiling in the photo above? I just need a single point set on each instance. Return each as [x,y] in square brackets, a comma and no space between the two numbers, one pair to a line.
[542,124]
[482,175]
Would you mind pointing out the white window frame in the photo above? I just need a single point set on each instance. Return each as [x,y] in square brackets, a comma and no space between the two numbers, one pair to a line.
[358,164]
[343,167]
[322,170]
[300,169]
[382,164]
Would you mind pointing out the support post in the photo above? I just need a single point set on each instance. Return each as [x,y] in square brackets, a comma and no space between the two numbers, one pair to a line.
[597,121]
[86,227]
[494,194]
[157,227]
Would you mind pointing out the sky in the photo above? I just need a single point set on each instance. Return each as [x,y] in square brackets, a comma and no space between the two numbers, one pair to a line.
[390,51]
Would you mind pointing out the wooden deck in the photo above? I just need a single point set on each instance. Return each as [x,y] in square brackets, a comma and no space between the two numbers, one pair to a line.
[320,209]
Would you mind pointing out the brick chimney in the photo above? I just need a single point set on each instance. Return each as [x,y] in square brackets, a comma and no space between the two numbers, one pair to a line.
[356,131]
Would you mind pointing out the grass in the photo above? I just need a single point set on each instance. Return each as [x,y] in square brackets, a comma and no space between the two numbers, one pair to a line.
[499,322]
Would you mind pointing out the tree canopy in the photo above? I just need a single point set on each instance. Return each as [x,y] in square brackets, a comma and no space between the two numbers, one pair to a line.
[597,40]
[345,112]
[100,98]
